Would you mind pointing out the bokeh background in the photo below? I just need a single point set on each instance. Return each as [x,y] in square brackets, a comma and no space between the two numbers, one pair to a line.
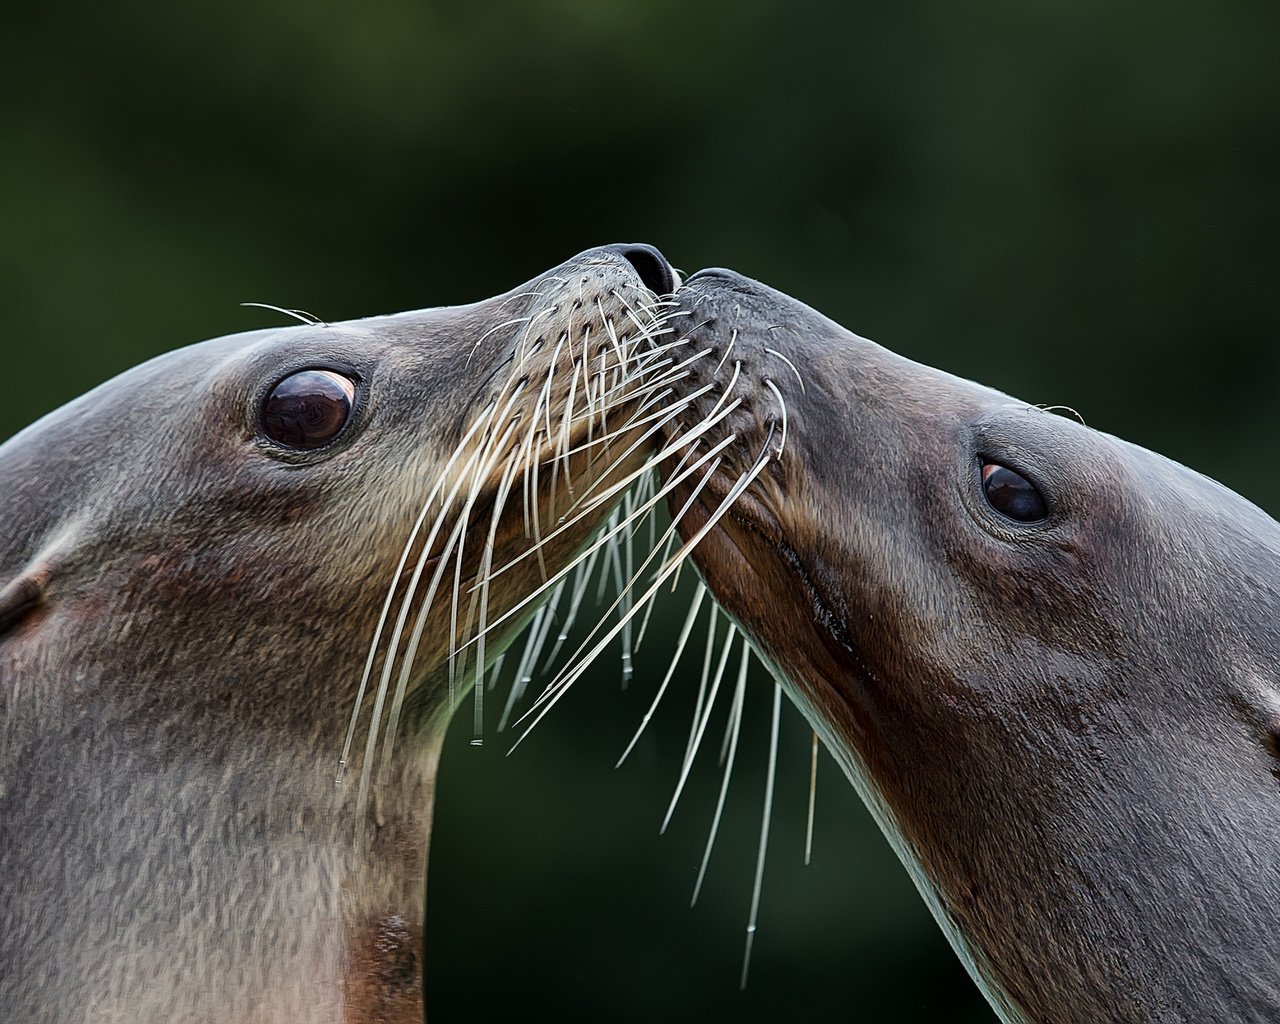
[1075,202]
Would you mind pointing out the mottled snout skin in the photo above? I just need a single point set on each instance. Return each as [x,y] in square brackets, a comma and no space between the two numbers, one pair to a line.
[1066,728]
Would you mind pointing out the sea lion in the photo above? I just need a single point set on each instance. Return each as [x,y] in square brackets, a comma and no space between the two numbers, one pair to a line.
[1046,658]
[194,558]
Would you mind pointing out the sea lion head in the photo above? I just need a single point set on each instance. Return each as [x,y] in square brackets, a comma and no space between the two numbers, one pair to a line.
[224,567]
[225,498]
[1045,656]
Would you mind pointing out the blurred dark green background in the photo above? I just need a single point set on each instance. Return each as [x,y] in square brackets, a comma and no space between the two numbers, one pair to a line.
[1075,202]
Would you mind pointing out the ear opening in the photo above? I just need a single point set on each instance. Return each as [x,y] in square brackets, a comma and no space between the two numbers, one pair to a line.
[18,600]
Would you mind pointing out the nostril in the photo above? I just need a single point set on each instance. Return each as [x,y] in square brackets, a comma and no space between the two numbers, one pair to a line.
[654,270]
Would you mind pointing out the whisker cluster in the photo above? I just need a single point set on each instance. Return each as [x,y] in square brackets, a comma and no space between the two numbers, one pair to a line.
[589,434]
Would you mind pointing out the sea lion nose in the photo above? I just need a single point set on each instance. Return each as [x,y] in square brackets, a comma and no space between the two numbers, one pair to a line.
[655,272]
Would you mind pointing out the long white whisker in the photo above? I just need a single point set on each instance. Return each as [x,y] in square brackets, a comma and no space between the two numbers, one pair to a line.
[612,526]
[493,330]
[708,652]
[562,458]
[496,671]
[538,630]
[612,330]
[644,490]
[701,724]
[735,726]
[623,567]
[482,473]
[499,503]
[666,550]
[394,714]
[696,603]
[585,366]
[582,570]
[813,789]
[764,832]
[733,340]
[783,406]
[775,352]
[533,463]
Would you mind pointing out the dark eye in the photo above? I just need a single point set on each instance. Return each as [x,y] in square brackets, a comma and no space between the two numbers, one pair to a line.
[308,409]
[1012,495]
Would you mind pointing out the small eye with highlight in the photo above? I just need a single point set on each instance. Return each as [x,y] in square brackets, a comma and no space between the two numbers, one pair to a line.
[308,409]
[1012,495]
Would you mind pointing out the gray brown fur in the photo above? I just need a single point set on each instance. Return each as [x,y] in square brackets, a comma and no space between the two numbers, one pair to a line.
[1065,729]
[184,616]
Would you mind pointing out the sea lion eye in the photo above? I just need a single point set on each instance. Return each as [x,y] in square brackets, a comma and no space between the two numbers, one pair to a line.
[1012,495]
[308,409]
